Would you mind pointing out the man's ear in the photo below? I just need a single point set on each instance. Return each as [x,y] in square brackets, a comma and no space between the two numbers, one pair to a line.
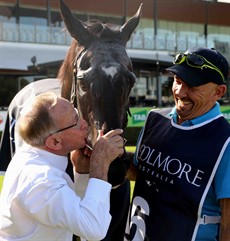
[54,142]
[220,91]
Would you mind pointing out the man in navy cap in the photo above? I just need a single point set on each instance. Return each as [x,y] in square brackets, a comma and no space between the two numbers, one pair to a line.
[182,189]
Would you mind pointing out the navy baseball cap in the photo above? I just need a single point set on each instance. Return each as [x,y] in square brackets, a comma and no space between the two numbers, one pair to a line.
[198,66]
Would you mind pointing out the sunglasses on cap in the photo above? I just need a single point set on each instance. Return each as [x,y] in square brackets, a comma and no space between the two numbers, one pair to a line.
[196,61]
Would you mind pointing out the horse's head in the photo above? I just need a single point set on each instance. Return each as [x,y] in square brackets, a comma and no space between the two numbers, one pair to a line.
[103,73]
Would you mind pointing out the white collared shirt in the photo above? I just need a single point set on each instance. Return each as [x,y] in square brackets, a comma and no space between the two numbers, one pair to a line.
[38,200]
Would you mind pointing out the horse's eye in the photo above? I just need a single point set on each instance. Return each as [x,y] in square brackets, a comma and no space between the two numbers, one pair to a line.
[132,79]
[84,64]
[130,66]
[83,87]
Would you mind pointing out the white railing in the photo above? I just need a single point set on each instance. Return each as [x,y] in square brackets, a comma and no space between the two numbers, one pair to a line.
[141,39]
[33,34]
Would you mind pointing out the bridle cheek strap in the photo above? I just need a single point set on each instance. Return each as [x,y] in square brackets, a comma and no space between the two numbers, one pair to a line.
[73,97]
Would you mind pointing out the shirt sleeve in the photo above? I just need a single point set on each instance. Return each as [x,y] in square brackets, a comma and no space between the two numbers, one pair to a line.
[135,161]
[52,202]
[222,177]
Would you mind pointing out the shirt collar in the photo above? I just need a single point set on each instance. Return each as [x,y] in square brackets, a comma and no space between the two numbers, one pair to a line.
[52,159]
[208,115]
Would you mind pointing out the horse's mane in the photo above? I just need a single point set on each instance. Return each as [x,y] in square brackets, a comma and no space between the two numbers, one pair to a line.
[65,73]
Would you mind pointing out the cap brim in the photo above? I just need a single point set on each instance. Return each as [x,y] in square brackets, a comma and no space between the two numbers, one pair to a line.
[187,74]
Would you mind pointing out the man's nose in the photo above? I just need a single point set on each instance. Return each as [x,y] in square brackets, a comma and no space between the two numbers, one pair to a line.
[181,90]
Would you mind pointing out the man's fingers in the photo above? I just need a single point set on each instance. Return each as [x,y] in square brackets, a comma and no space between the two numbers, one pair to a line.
[114,133]
[100,134]
[117,140]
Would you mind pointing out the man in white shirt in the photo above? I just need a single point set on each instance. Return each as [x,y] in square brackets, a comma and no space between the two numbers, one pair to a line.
[39,201]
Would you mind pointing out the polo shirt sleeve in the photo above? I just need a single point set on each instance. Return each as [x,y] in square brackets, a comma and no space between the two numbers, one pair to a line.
[135,161]
[222,178]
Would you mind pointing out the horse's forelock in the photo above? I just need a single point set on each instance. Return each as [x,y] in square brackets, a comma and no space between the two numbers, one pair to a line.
[103,30]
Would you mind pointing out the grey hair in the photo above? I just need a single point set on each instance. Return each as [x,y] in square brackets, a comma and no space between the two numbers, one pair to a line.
[36,122]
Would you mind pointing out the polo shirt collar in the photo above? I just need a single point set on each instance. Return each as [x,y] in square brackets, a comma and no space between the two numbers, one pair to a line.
[208,115]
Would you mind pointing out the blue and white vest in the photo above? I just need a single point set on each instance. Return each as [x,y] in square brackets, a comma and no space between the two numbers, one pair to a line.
[176,168]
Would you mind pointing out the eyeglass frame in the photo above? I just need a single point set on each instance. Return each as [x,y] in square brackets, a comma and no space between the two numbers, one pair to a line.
[186,57]
[68,127]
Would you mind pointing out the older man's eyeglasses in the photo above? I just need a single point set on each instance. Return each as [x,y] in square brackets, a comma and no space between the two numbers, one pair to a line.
[196,61]
[77,124]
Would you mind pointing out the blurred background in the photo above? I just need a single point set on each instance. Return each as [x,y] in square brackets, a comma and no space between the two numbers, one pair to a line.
[33,42]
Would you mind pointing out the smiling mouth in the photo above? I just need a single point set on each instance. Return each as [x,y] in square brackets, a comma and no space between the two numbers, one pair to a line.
[184,103]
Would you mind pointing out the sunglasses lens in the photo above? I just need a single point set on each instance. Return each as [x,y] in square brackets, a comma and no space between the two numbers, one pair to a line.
[178,58]
[196,60]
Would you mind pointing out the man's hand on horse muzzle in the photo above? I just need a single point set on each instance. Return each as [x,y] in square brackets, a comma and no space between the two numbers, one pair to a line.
[96,162]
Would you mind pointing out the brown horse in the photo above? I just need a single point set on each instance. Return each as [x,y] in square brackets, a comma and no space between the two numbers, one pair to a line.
[97,75]
[98,66]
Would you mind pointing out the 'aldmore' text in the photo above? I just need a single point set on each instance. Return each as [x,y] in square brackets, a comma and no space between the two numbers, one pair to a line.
[169,165]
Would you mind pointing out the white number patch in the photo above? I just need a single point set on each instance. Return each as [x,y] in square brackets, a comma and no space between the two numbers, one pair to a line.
[135,231]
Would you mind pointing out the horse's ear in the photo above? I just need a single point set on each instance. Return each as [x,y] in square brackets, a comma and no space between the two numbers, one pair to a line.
[74,26]
[128,28]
